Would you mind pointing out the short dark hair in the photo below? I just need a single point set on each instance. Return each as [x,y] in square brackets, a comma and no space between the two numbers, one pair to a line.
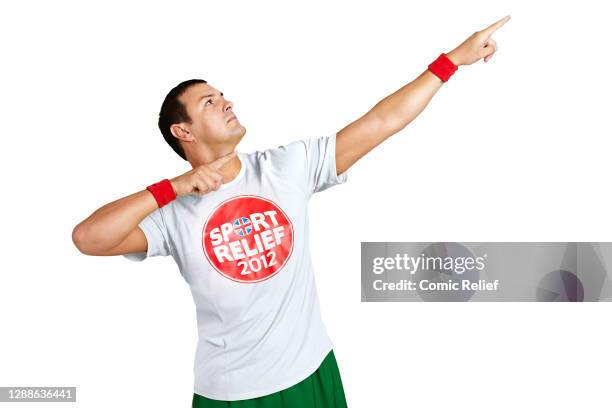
[173,111]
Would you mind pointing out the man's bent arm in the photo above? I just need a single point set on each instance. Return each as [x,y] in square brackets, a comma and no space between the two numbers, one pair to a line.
[110,225]
[113,228]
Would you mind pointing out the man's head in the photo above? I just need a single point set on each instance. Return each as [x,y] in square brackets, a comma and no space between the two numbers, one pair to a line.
[195,115]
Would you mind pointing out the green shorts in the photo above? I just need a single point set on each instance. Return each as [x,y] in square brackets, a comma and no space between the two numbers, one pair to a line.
[322,389]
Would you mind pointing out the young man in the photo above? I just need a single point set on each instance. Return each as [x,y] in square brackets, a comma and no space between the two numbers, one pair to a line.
[237,226]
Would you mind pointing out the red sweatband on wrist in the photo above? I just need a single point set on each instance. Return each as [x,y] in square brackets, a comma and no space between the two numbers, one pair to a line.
[442,67]
[162,192]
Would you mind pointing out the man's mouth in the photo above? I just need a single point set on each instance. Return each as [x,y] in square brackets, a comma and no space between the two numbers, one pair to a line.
[231,118]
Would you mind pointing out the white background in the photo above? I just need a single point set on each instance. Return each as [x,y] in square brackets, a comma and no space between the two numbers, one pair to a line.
[515,149]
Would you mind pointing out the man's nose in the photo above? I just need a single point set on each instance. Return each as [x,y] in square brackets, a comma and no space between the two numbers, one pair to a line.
[228,105]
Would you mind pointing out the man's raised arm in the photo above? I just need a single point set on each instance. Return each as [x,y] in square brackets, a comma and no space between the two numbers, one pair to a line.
[397,110]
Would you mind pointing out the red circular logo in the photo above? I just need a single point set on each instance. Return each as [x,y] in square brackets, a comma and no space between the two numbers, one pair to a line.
[247,238]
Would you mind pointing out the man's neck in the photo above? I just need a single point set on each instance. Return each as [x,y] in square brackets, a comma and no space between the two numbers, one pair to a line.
[229,171]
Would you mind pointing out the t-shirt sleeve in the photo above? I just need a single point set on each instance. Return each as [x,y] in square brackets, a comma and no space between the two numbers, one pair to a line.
[311,163]
[154,228]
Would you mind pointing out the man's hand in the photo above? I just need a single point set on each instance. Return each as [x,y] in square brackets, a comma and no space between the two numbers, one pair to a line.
[202,179]
[478,45]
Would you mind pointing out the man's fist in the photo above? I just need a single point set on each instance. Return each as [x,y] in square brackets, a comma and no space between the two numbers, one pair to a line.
[478,45]
[202,179]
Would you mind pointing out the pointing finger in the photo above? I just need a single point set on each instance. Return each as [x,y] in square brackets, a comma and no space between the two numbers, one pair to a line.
[218,163]
[210,182]
[216,176]
[493,27]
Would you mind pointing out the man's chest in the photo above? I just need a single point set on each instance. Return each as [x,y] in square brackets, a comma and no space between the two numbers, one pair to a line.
[244,238]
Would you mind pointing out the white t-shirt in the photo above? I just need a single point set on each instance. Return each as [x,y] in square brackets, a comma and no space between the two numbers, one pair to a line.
[244,251]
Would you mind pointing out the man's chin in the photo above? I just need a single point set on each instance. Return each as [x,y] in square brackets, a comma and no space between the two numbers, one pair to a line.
[240,132]
[237,135]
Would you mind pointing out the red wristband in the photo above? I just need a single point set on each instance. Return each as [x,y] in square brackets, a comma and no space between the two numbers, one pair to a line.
[162,192]
[443,67]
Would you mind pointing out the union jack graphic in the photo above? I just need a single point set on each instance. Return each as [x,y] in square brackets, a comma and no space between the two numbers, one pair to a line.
[242,226]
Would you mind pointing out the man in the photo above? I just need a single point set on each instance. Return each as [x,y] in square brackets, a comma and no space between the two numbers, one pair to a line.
[237,226]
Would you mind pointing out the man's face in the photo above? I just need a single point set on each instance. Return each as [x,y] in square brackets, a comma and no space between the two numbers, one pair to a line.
[212,118]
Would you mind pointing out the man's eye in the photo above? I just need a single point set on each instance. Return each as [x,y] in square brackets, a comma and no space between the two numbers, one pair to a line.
[210,100]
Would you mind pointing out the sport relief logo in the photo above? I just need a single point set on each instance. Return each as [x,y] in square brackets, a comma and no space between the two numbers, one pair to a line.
[247,238]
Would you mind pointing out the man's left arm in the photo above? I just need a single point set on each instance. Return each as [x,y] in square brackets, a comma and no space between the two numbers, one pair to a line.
[397,110]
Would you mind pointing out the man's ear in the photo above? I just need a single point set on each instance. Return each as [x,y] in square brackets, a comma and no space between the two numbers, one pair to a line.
[179,131]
